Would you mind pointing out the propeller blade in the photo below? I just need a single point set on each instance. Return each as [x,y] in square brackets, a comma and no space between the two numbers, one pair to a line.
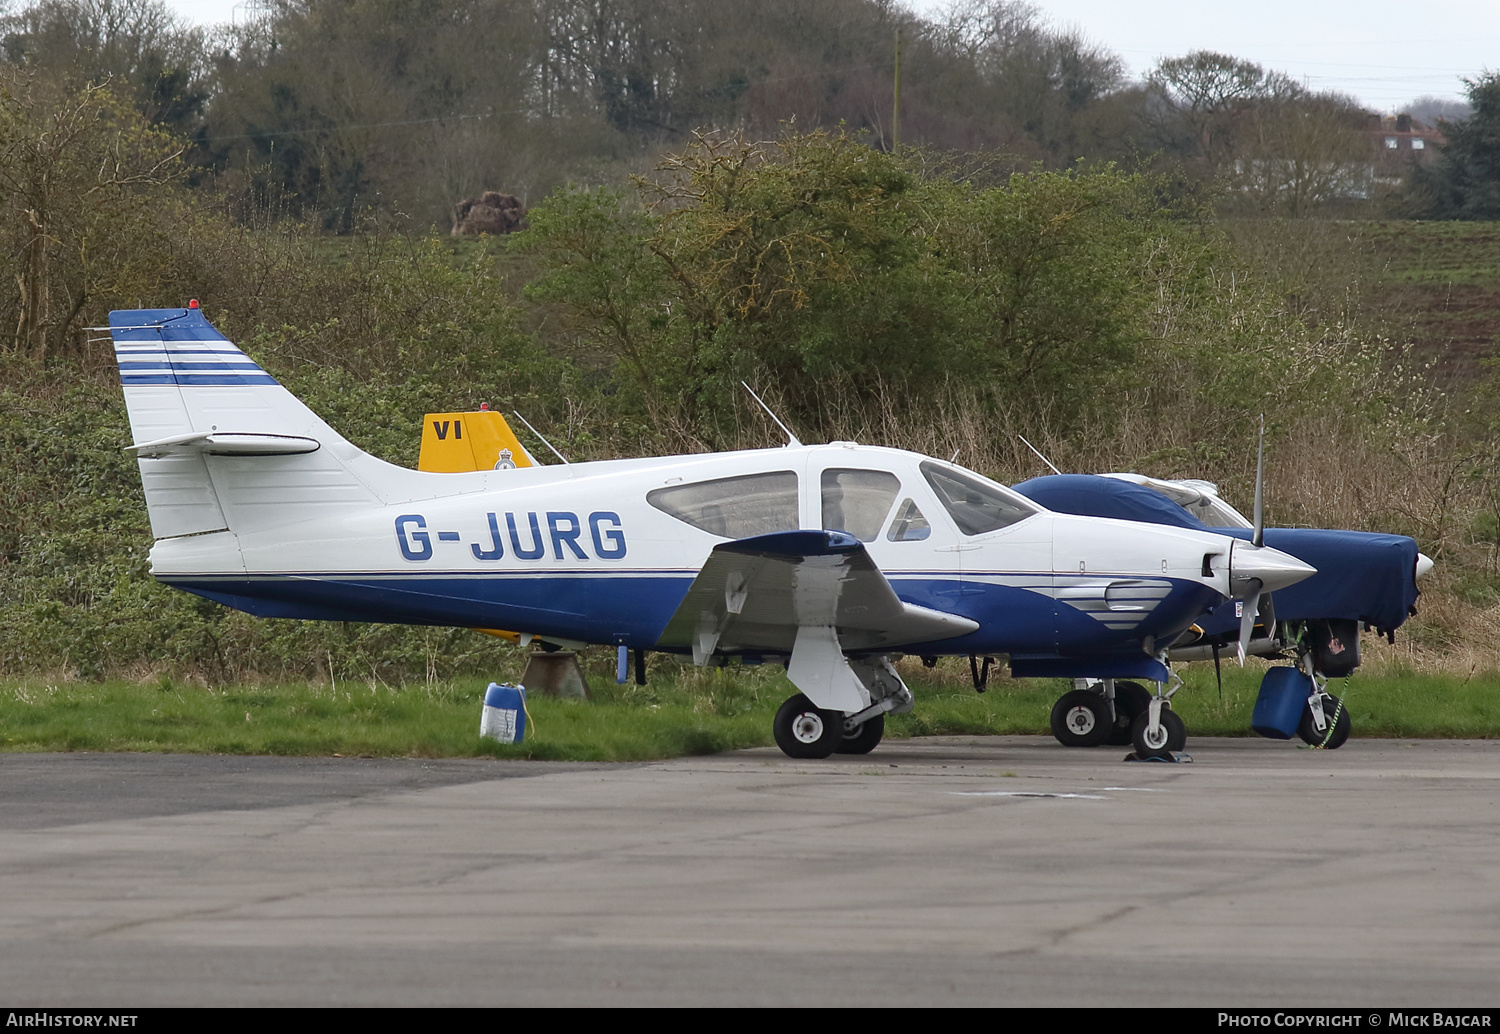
[1258,537]
[1247,620]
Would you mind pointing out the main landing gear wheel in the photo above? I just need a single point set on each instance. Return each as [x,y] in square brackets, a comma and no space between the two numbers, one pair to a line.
[1309,732]
[1171,734]
[1131,701]
[1081,719]
[864,738]
[803,731]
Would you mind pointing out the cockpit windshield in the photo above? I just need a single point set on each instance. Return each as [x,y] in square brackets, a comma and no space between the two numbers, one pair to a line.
[976,506]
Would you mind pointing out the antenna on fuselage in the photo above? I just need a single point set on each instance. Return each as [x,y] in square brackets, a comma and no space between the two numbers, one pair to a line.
[1038,452]
[791,439]
[544,441]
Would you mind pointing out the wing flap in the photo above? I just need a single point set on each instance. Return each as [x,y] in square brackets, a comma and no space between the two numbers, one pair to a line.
[753,595]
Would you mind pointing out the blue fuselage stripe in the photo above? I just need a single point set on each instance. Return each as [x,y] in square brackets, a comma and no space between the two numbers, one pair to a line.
[634,607]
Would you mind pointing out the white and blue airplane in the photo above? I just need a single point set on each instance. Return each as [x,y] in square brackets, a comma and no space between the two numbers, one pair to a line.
[833,559]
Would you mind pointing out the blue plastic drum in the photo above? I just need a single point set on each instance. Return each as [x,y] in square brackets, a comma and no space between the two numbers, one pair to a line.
[504,716]
[1278,708]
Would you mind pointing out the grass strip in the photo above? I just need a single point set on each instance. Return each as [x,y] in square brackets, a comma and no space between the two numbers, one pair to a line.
[682,712]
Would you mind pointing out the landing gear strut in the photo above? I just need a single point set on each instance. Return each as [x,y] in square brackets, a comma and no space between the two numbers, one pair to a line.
[1158,732]
[804,730]
[1325,721]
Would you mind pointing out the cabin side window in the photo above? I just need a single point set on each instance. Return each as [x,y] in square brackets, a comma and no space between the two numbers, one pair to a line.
[909,525]
[733,508]
[857,501]
[976,507]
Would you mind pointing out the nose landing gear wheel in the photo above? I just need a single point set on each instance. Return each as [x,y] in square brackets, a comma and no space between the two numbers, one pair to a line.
[1171,734]
[1080,719]
[803,731]
[1309,733]
[864,738]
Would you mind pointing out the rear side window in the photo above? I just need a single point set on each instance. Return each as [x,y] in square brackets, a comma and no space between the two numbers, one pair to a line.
[857,501]
[733,508]
[975,507]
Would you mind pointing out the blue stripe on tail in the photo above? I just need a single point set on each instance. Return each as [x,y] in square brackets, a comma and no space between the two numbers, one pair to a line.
[178,346]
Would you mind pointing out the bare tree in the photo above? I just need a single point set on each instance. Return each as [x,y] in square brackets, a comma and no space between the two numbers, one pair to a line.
[145,49]
[1038,77]
[1296,155]
[72,163]
[1432,110]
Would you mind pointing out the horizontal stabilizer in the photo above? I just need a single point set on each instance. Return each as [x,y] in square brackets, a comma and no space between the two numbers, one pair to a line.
[219,443]
[754,594]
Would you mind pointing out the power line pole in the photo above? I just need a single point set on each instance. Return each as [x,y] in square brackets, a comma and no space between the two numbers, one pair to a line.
[896,108]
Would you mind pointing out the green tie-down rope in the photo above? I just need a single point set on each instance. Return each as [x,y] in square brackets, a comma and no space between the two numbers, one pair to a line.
[1334,720]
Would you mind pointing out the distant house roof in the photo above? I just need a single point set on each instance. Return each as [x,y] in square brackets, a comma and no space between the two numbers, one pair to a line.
[1403,136]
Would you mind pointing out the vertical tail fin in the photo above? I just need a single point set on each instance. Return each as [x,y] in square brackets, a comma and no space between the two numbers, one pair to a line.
[185,384]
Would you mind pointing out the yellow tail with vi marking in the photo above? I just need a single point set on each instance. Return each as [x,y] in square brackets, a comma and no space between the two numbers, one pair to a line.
[453,443]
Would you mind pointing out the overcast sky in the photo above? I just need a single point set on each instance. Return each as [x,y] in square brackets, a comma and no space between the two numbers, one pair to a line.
[1383,52]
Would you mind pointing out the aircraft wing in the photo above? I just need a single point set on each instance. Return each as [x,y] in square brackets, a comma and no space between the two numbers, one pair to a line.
[754,594]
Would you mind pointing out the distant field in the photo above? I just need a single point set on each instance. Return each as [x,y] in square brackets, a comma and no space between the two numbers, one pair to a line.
[1442,280]
[1438,254]
[694,712]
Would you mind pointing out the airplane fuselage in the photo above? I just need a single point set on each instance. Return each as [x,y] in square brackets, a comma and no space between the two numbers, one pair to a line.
[581,553]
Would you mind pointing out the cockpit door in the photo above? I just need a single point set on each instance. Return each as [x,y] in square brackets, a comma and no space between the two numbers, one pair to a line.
[1005,556]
